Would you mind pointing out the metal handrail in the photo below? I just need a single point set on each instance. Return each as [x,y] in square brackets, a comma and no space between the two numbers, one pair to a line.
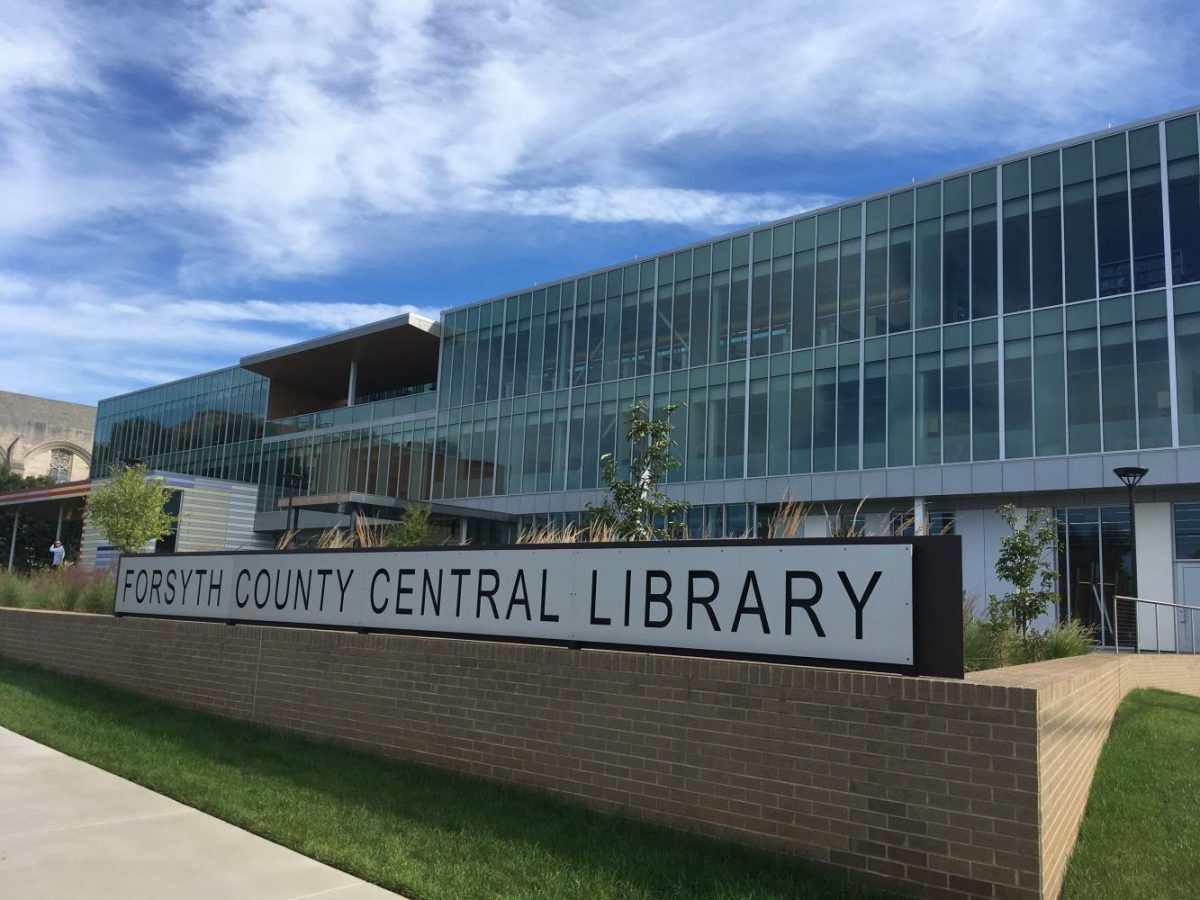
[1191,612]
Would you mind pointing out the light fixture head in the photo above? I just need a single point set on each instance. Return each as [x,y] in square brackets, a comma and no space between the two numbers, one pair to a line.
[292,479]
[1130,475]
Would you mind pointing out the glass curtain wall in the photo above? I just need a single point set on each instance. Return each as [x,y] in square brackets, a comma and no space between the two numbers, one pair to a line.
[939,324]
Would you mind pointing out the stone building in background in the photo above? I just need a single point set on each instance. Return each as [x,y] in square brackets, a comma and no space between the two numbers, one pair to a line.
[46,437]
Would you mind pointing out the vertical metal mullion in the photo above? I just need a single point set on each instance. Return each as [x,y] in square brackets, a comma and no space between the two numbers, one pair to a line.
[1169,271]
[971,318]
[749,343]
[1032,306]
[1137,411]
[1099,346]
[862,325]
[1062,307]
[1003,447]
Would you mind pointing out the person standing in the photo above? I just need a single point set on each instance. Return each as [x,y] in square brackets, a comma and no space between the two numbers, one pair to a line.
[57,554]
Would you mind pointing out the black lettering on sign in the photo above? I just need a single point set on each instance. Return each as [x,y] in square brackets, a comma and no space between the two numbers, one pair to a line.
[705,600]
[140,585]
[661,597]
[324,573]
[459,574]
[343,585]
[543,615]
[186,578]
[435,597]
[751,584]
[593,618]
[859,604]
[126,586]
[519,585]
[378,608]
[240,600]
[303,587]
[628,590]
[490,593]
[263,579]
[791,601]
[281,603]
[401,589]
[155,584]
[169,584]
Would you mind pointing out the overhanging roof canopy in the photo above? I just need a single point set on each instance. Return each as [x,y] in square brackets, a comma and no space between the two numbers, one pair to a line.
[392,353]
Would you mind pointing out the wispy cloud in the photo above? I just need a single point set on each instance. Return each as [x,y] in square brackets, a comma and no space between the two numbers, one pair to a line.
[70,340]
[203,149]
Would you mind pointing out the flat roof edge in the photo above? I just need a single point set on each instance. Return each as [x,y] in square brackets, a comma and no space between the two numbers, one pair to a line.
[408,319]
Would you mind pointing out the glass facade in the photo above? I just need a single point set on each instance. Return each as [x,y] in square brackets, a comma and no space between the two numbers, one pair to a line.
[211,425]
[1028,309]
[1042,306]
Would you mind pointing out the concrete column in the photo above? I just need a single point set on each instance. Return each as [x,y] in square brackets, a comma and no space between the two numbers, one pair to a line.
[12,545]
[462,530]
[920,520]
[352,388]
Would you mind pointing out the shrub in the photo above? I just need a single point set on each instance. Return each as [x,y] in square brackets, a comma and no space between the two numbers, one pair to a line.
[70,589]
[991,642]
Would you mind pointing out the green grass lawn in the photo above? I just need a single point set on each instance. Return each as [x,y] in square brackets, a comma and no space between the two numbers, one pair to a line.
[1141,834]
[416,830]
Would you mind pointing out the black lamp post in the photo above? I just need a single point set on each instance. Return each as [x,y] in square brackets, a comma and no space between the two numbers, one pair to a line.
[1130,476]
[291,481]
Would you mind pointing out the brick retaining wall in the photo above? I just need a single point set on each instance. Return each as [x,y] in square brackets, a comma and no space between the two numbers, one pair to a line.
[929,784]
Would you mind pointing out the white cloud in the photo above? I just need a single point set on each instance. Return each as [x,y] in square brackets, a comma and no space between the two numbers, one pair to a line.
[73,341]
[222,143]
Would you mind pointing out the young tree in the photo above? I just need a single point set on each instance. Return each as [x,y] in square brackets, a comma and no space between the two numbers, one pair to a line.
[414,530]
[129,509]
[1027,562]
[635,502]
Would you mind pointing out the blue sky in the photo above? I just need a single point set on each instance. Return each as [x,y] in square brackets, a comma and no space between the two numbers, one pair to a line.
[182,184]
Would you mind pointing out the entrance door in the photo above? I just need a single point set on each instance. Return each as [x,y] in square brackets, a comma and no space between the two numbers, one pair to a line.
[1094,565]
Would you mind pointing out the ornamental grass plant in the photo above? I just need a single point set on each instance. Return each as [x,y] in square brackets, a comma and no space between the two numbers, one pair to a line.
[68,589]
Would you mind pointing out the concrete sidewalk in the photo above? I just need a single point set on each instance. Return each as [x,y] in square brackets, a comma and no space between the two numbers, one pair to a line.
[70,830]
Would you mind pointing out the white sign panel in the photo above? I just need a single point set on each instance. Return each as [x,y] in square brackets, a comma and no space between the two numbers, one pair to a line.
[851,602]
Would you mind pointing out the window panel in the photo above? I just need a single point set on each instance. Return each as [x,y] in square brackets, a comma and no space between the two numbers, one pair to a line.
[756,450]
[801,422]
[700,321]
[956,405]
[1145,204]
[900,279]
[900,411]
[827,309]
[848,291]
[778,425]
[956,268]
[929,408]
[738,309]
[985,402]
[929,274]
[1083,399]
[760,307]
[1116,378]
[875,286]
[781,303]
[825,420]
[1050,407]
[874,425]
[719,330]
[803,298]
[1183,186]
[847,417]
[1018,399]
[1153,384]
[983,261]
[1187,361]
